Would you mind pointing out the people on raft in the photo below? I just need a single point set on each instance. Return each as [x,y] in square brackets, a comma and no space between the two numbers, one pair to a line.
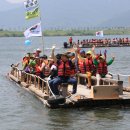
[89,67]
[102,67]
[66,74]
[63,67]
[37,53]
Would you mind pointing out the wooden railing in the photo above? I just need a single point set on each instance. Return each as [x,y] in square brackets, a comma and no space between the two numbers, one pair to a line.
[103,81]
[27,79]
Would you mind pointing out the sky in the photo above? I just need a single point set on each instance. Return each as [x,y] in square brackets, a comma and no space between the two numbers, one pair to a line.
[10,4]
[123,4]
[70,12]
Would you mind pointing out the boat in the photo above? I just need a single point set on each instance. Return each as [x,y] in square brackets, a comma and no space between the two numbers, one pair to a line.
[88,43]
[110,92]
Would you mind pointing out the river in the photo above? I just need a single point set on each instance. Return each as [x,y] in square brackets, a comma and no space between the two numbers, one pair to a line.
[19,110]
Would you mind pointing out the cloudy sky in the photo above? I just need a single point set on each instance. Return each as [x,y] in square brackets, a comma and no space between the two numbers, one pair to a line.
[10,4]
[7,4]
[71,12]
[118,4]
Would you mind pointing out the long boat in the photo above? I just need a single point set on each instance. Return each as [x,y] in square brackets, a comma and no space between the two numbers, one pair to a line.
[90,44]
[109,93]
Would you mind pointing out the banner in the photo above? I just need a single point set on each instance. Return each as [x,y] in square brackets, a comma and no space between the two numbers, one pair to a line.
[32,14]
[99,33]
[33,31]
[30,4]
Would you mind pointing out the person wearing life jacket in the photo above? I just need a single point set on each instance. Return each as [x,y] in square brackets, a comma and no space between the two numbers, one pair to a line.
[65,67]
[70,41]
[37,53]
[30,68]
[81,62]
[90,67]
[38,67]
[45,70]
[25,61]
[102,67]
[53,68]
[72,58]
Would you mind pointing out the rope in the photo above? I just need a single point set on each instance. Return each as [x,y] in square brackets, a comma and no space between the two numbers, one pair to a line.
[50,89]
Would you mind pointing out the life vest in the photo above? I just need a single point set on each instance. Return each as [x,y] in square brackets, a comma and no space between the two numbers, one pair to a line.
[102,68]
[89,65]
[25,61]
[64,69]
[37,70]
[81,66]
[70,39]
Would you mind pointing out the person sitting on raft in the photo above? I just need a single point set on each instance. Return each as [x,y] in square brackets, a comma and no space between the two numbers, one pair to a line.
[102,67]
[65,68]
[89,67]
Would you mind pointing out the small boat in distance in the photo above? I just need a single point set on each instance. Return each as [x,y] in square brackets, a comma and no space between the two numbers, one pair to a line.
[107,42]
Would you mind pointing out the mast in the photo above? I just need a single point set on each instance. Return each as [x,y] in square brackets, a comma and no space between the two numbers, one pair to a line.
[41,28]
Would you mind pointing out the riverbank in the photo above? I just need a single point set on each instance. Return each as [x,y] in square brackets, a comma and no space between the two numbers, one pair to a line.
[70,32]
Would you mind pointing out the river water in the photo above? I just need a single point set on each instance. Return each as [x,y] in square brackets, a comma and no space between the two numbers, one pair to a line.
[19,110]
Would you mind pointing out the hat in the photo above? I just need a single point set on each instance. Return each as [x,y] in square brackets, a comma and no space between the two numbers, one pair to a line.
[58,56]
[32,55]
[89,52]
[82,51]
[38,50]
[50,58]
[71,54]
[102,57]
[44,57]
[26,55]
[64,54]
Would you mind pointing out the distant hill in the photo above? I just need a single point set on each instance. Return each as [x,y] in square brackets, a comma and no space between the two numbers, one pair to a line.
[77,14]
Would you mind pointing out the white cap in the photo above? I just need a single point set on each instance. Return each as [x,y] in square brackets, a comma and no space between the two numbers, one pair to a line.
[38,49]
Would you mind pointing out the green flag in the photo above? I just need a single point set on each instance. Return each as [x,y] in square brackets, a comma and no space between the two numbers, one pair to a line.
[33,13]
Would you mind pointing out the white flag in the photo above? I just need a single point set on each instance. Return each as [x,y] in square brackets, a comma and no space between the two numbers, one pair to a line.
[99,33]
[30,4]
[33,31]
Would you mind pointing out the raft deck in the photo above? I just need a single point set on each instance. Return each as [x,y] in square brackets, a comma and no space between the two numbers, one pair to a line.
[109,93]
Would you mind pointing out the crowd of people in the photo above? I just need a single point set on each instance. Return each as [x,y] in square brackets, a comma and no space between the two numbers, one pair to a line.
[63,68]
[99,41]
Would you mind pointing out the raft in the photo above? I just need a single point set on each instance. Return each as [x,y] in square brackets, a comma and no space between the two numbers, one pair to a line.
[108,94]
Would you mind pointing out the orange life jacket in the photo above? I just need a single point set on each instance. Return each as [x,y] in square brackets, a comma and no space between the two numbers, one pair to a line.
[37,70]
[89,65]
[70,39]
[64,69]
[102,68]
[25,61]
[81,66]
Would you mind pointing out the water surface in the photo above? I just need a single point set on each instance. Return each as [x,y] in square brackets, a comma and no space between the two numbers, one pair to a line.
[19,110]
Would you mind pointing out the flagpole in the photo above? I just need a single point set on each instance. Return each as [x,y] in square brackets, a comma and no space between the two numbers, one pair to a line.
[41,27]
[42,35]
[34,7]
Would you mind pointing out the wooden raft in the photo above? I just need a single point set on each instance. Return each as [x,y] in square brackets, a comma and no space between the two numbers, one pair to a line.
[109,93]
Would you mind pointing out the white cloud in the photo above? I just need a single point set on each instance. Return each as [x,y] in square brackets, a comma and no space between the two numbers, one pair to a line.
[15,1]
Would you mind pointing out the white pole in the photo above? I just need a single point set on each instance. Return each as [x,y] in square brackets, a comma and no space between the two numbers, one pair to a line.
[41,28]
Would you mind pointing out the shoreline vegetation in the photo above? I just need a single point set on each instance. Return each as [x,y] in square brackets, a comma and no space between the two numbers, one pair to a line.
[69,32]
